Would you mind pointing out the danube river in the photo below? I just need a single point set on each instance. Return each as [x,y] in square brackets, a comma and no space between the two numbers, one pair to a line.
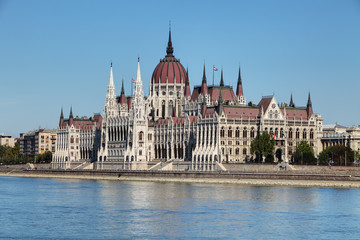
[45,208]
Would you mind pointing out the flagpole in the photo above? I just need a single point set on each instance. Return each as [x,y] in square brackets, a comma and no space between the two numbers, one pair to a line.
[213,74]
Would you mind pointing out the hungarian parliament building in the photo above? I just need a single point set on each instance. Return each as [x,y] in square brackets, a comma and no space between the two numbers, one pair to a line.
[176,128]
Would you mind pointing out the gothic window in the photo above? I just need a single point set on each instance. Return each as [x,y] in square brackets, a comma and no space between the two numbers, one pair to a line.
[297,134]
[230,151]
[311,134]
[252,133]
[281,133]
[222,132]
[276,132]
[244,151]
[229,132]
[237,151]
[223,151]
[237,133]
[290,133]
[150,137]
[245,133]
[304,134]
[72,139]
[141,136]
[140,152]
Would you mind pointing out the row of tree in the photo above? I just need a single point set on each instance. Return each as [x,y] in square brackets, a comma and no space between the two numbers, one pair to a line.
[263,147]
[12,155]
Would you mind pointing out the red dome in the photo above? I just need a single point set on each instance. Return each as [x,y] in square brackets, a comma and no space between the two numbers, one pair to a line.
[169,70]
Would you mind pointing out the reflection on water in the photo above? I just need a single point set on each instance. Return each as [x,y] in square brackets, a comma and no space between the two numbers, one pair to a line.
[68,209]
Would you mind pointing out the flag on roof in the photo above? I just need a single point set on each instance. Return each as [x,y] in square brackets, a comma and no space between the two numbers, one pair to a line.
[133,80]
[214,68]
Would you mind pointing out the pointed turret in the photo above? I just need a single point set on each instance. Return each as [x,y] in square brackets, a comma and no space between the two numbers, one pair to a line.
[309,109]
[187,92]
[204,90]
[110,102]
[239,88]
[122,95]
[169,49]
[71,117]
[61,117]
[291,104]
[221,79]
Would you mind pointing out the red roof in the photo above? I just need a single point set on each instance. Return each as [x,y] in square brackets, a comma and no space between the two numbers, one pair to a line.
[265,102]
[195,93]
[295,113]
[84,124]
[169,70]
[241,112]
[227,93]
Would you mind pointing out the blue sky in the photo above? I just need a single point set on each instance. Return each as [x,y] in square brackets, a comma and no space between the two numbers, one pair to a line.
[57,54]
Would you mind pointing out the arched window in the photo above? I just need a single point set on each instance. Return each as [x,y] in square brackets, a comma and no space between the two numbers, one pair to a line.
[237,133]
[297,134]
[304,134]
[290,133]
[252,133]
[141,136]
[230,132]
[245,133]
[223,151]
[222,132]
[72,139]
[311,134]
[244,151]
[237,151]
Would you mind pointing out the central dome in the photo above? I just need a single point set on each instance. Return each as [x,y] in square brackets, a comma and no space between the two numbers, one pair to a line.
[169,70]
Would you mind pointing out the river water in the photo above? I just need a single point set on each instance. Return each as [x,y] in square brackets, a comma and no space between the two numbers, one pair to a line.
[45,208]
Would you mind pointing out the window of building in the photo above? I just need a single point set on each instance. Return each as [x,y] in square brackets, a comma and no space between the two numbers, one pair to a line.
[297,134]
[222,132]
[237,151]
[245,133]
[141,135]
[290,133]
[150,137]
[252,133]
[237,133]
[244,151]
[311,134]
[304,134]
[230,132]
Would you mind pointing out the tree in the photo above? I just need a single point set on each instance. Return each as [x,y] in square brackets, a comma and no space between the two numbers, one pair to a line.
[304,154]
[337,154]
[263,146]
[44,157]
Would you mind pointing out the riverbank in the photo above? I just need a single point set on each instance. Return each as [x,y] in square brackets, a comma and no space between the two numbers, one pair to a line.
[254,179]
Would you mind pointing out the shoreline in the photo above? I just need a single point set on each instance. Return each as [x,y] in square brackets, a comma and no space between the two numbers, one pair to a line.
[206,180]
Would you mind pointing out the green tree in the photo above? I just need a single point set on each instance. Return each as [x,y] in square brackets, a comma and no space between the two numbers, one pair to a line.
[43,158]
[263,146]
[337,154]
[304,154]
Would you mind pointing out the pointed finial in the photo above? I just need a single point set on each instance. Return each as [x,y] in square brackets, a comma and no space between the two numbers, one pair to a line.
[138,58]
[239,77]
[291,101]
[71,114]
[309,104]
[111,64]
[122,87]
[222,79]
[169,49]
[204,75]
[62,113]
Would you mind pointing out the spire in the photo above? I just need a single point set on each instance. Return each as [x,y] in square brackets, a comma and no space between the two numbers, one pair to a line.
[62,114]
[138,74]
[239,89]
[71,114]
[309,109]
[222,79]
[203,107]
[203,84]
[309,104]
[291,101]
[122,87]
[122,95]
[111,79]
[169,49]
[187,92]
